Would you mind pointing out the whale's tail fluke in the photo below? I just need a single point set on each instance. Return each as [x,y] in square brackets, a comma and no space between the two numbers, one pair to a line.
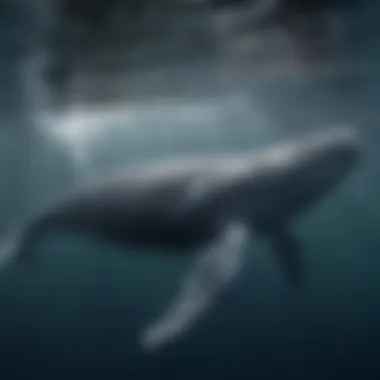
[17,245]
[10,247]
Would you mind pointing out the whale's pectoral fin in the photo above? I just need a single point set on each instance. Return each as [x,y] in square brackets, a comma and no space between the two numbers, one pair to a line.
[289,253]
[214,269]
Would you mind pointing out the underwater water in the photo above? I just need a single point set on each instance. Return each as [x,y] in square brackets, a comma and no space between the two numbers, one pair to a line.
[78,311]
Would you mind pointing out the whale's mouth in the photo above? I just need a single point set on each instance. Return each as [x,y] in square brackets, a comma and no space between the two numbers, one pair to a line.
[324,177]
[331,157]
[337,144]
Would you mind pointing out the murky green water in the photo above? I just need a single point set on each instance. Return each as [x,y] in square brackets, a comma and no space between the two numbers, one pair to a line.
[78,312]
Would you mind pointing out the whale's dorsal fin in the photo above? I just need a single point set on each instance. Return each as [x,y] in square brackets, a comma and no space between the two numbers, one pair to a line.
[288,251]
[216,266]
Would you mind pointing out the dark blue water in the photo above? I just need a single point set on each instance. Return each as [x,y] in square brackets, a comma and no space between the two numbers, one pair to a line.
[78,313]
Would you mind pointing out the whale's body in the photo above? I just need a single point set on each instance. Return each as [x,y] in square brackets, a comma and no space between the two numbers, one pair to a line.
[207,206]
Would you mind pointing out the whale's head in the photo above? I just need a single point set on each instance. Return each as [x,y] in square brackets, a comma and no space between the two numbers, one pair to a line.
[326,158]
[322,161]
[312,167]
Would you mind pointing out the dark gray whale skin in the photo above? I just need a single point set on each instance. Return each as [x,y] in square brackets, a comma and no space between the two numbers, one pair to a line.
[132,214]
[179,205]
[211,207]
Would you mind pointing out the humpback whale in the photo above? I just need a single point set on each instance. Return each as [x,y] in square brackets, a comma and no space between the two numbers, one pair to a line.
[211,207]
